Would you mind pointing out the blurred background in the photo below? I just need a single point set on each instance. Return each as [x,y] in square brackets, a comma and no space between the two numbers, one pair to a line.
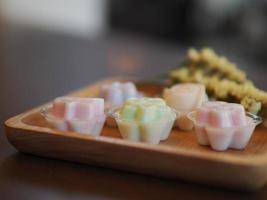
[49,47]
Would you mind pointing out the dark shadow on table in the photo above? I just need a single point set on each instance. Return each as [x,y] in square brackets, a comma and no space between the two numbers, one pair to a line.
[81,180]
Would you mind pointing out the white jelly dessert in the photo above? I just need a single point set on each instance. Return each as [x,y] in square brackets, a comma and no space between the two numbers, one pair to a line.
[145,119]
[83,115]
[185,98]
[223,125]
[115,94]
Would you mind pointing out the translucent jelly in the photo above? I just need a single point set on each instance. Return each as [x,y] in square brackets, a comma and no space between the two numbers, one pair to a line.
[185,98]
[223,125]
[83,115]
[148,120]
[115,94]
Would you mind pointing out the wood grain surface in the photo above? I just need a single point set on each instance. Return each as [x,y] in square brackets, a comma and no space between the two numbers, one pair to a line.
[179,157]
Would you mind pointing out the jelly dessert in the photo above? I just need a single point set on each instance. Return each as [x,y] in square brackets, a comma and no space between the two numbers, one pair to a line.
[145,119]
[223,125]
[115,94]
[185,98]
[83,115]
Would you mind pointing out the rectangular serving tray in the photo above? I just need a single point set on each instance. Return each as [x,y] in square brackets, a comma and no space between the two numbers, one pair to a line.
[179,157]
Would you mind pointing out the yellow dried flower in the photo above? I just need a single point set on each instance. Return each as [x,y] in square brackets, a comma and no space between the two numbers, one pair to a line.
[222,79]
[251,105]
[193,55]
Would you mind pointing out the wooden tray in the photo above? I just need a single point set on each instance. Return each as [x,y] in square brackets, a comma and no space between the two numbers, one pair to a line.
[179,156]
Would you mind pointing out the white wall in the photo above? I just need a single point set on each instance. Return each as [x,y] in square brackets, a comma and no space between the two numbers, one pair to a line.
[80,17]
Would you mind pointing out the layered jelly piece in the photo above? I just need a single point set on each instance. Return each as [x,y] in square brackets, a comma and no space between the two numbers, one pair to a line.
[78,108]
[145,119]
[84,115]
[222,125]
[185,98]
[221,114]
[116,93]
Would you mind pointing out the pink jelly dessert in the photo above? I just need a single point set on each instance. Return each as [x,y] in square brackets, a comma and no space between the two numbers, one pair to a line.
[184,98]
[83,115]
[223,125]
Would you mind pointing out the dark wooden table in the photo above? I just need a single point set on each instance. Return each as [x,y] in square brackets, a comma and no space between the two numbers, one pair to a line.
[40,66]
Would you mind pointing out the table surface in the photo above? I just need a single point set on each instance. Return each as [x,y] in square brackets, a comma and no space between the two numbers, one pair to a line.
[40,66]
